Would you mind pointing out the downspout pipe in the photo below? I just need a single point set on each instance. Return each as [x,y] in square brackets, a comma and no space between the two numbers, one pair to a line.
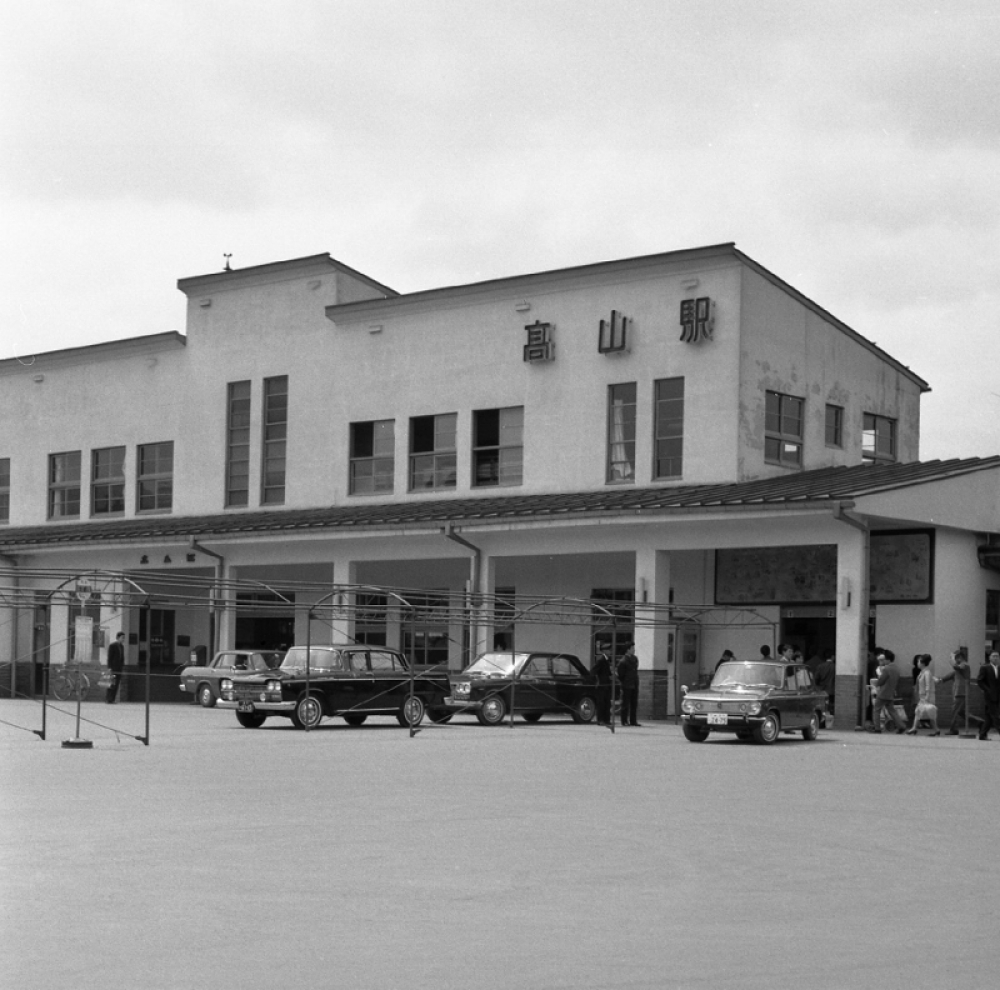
[13,563]
[474,584]
[213,623]
[863,602]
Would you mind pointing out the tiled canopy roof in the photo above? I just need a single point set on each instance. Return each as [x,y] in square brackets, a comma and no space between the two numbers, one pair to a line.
[791,490]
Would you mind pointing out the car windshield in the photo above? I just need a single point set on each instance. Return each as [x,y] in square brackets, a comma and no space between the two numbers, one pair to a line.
[497,664]
[747,674]
[320,658]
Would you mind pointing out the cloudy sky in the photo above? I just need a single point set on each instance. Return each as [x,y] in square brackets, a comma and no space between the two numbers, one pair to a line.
[853,148]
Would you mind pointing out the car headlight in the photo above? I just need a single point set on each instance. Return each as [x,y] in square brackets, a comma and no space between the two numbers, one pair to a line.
[687,707]
[273,686]
[226,689]
[754,708]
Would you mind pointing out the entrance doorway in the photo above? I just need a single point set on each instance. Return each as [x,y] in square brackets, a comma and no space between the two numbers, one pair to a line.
[809,630]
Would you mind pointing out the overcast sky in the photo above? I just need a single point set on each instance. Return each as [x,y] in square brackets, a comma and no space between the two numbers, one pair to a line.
[853,148]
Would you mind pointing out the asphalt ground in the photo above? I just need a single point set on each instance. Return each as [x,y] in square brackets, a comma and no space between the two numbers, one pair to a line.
[543,856]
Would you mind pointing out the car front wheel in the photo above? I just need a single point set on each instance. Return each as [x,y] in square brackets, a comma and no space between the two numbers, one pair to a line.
[493,711]
[585,710]
[250,720]
[308,712]
[695,733]
[768,730]
[205,697]
[412,711]
[811,731]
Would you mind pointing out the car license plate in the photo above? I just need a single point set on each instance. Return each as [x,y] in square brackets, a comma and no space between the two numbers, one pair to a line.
[714,719]
[244,706]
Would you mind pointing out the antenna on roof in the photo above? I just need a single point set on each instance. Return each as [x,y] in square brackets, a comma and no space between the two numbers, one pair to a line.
[227,257]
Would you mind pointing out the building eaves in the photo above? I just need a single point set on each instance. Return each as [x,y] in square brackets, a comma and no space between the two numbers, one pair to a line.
[807,489]
[125,347]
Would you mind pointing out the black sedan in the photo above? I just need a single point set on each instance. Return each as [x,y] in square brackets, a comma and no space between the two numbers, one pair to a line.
[528,684]
[755,699]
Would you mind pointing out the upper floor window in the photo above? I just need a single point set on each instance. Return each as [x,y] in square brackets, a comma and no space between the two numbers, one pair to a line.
[64,485]
[4,489]
[783,429]
[155,477]
[373,457]
[432,451]
[621,432]
[668,461]
[498,447]
[878,438]
[275,440]
[834,426]
[238,444]
[107,481]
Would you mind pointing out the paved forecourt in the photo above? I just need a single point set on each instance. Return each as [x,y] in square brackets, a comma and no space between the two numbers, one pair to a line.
[544,856]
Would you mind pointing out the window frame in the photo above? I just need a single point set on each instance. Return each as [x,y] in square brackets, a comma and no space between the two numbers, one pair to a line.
[274,440]
[627,424]
[238,442]
[659,438]
[836,428]
[65,486]
[376,459]
[509,474]
[871,454]
[162,480]
[103,482]
[783,438]
[4,490]
[443,460]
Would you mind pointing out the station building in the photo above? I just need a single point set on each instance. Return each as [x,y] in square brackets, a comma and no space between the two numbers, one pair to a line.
[682,439]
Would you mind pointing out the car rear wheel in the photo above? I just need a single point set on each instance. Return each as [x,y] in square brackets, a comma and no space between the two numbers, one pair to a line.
[205,697]
[493,711]
[355,719]
[585,710]
[250,720]
[308,712]
[811,731]
[412,711]
[695,733]
[531,716]
[768,730]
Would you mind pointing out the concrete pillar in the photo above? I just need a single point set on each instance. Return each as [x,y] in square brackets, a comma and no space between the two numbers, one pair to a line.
[852,623]
[653,634]
[225,613]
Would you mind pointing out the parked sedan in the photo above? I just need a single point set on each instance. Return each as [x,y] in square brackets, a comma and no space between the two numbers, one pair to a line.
[202,682]
[755,699]
[351,681]
[530,684]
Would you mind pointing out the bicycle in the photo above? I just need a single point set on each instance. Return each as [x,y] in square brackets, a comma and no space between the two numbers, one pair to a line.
[68,683]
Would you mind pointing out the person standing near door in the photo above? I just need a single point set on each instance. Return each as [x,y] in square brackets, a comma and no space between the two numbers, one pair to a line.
[116,664]
[628,676]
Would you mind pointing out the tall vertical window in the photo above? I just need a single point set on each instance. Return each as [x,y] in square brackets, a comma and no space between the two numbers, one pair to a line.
[783,429]
[878,438]
[834,426]
[432,451]
[64,485]
[669,428]
[238,445]
[275,440]
[373,457]
[498,447]
[621,432]
[155,477]
[107,481]
[4,489]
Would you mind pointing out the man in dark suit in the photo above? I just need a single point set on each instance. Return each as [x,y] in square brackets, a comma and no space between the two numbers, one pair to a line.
[628,675]
[988,682]
[602,671]
[116,663]
[885,692]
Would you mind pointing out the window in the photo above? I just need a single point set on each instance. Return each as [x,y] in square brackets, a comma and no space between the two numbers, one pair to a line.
[373,460]
[4,489]
[275,436]
[64,485]
[238,445]
[669,428]
[621,432]
[107,481]
[878,439]
[834,426]
[371,617]
[783,429]
[498,447]
[155,477]
[432,451]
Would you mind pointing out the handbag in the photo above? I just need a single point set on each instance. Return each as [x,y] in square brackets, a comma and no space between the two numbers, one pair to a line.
[926,710]
[106,679]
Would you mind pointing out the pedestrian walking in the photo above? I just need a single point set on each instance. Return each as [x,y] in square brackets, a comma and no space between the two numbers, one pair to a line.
[988,681]
[926,706]
[886,683]
[959,677]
